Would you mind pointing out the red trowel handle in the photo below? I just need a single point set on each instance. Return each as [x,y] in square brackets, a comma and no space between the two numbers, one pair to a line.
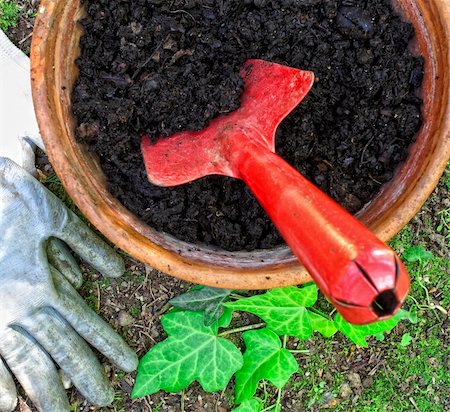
[360,274]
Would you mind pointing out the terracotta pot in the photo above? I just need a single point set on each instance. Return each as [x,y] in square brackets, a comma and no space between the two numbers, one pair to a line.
[54,50]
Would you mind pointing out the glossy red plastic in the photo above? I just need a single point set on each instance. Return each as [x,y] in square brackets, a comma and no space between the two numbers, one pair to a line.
[359,274]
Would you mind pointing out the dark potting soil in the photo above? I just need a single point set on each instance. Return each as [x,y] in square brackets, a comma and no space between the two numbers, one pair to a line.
[158,66]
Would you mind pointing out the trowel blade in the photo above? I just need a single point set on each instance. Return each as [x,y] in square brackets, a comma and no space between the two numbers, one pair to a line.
[271,92]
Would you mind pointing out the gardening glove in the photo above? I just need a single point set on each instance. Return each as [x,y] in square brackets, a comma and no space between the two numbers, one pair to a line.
[42,317]
[19,133]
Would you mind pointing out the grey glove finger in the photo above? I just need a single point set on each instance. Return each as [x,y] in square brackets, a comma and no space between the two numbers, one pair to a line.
[59,256]
[35,371]
[71,353]
[8,394]
[91,248]
[91,327]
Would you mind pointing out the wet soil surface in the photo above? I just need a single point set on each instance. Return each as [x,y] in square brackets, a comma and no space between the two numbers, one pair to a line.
[157,67]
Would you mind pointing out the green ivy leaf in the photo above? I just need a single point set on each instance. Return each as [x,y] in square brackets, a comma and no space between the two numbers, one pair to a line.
[358,334]
[323,325]
[416,254]
[193,351]
[208,300]
[264,358]
[283,310]
[226,318]
[250,405]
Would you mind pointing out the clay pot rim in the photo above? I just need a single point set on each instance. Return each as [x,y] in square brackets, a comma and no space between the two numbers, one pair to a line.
[192,262]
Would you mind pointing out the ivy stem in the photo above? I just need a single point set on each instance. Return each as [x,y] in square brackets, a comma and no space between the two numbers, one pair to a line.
[242,329]
[271,408]
[236,296]
[278,404]
[419,281]
[266,395]
[182,400]
[319,312]
[306,351]
[418,305]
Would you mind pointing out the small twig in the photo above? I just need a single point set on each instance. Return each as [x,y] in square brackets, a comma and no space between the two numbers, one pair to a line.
[238,40]
[413,402]
[393,373]
[183,11]
[148,60]
[242,329]
[141,285]
[164,309]
[375,180]
[364,150]
[330,165]
[25,38]
[374,369]
[387,376]
[98,298]
[147,271]
[147,402]
[145,333]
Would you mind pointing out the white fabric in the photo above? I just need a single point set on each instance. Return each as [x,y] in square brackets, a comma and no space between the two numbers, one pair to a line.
[18,123]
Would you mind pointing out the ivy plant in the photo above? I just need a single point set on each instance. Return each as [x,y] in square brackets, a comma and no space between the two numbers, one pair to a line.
[199,348]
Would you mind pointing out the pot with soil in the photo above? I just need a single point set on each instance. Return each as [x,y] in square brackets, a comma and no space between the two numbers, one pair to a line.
[363,135]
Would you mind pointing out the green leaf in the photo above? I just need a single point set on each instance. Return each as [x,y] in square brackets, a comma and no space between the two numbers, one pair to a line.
[264,358]
[358,333]
[416,254]
[250,405]
[283,310]
[411,315]
[193,351]
[351,331]
[323,325]
[406,340]
[226,318]
[208,300]
[379,336]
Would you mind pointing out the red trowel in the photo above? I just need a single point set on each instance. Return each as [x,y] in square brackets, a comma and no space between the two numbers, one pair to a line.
[359,274]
